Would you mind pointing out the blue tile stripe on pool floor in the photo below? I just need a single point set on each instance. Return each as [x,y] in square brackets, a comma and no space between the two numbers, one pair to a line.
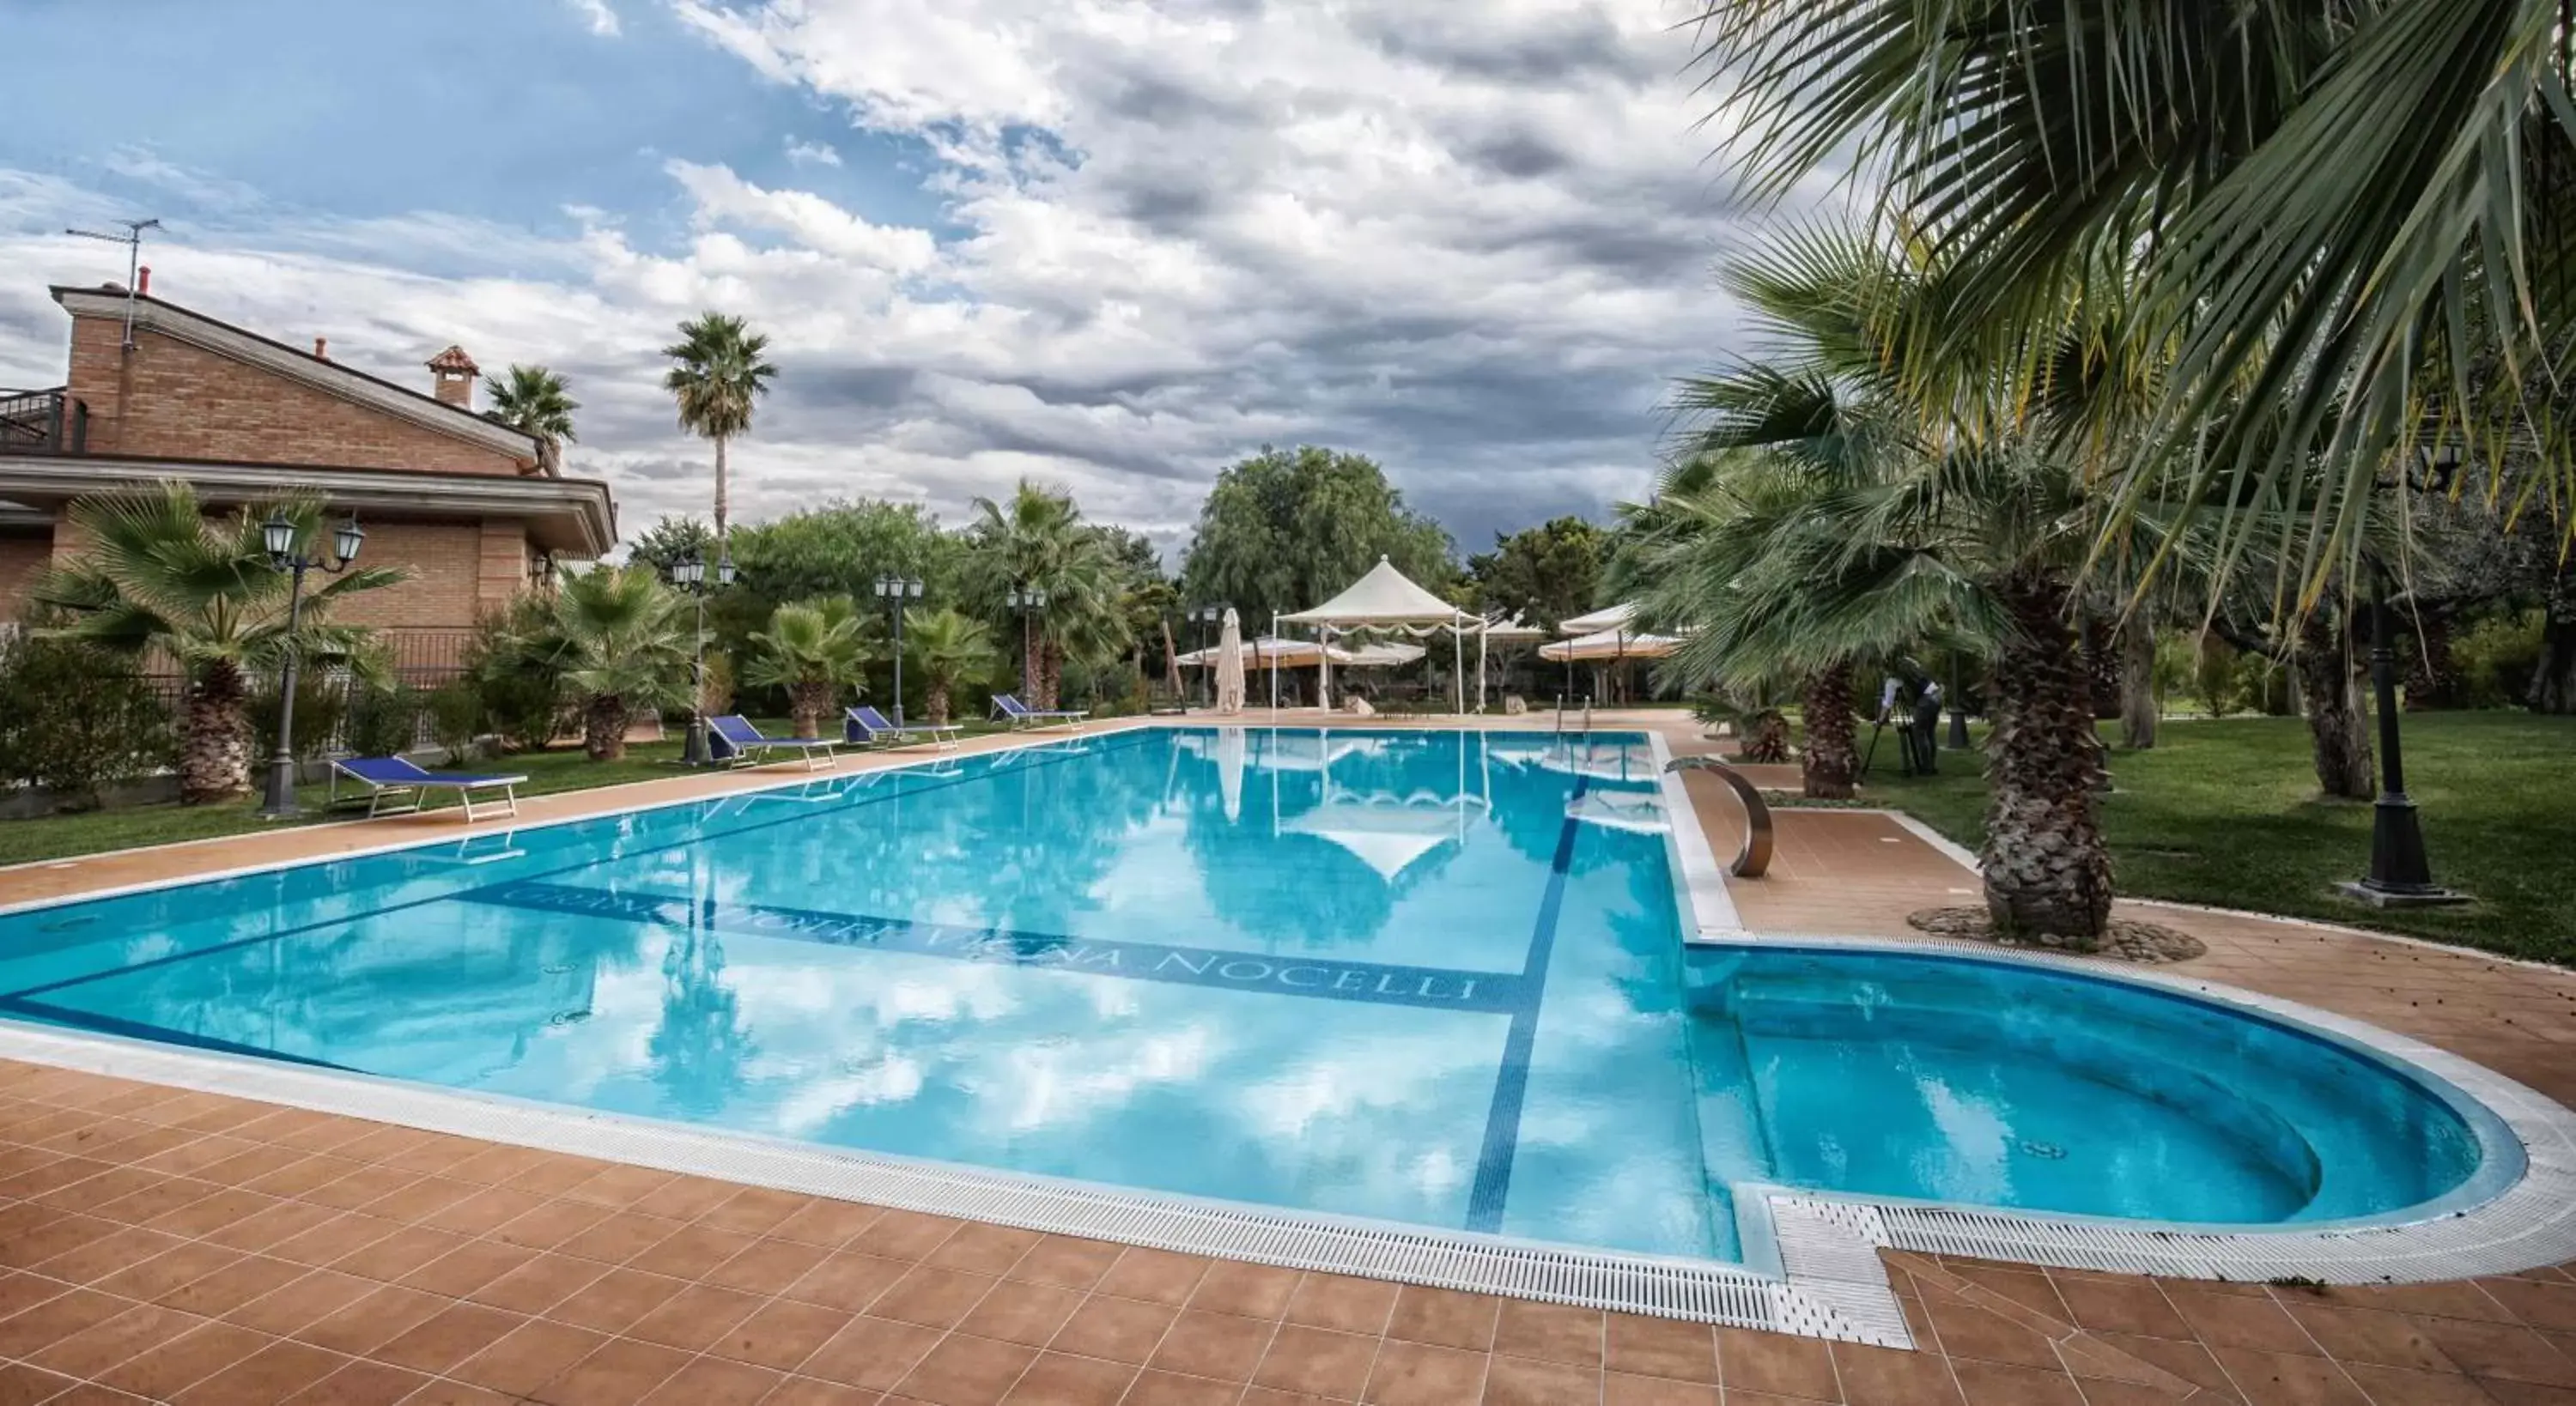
[1233,969]
[1493,1184]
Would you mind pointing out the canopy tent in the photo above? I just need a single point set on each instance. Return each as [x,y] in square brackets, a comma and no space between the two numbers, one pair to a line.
[1611,644]
[1612,618]
[1386,598]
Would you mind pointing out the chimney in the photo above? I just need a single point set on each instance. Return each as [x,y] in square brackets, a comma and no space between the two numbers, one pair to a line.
[452,375]
[321,349]
[143,284]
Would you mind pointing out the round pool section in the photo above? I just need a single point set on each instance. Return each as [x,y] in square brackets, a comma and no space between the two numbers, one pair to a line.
[2033,1088]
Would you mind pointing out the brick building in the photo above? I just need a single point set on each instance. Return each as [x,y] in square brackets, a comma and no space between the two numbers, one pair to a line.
[477,510]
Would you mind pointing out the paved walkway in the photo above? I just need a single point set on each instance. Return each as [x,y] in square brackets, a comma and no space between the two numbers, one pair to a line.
[159,1244]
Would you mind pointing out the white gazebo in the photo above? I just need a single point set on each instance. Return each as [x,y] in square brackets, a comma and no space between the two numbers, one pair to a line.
[1512,631]
[1604,637]
[1613,618]
[1386,599]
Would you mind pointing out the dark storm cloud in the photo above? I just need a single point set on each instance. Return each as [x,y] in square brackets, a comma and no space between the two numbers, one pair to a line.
[1517,154]
[1557,52]
[880,387]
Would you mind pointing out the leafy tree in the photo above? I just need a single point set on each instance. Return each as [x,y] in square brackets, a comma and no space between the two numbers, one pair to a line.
[672,540]
[1546,573]
[519,692]
[813,649]
[161,577]
[620,640]
[381,722]
[1288,529]
[953,651]
[76,719]
[533,401]
[720,370]
[456,716]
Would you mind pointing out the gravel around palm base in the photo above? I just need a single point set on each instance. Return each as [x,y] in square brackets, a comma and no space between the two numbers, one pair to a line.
[2126,940]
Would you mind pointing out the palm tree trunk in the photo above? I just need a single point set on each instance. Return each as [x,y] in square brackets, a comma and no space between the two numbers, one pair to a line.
[1030,651]
[2046,868]
[214,762]
[603,728]
[1833,758]
[934,701]
[2138,703]
[2330,686]
[1766,737]
[1050,674]
[805,705]
[723,503]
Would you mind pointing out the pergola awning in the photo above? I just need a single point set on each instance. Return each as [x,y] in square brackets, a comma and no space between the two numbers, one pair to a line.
[1612,618]
[1385,596]
[1608,645]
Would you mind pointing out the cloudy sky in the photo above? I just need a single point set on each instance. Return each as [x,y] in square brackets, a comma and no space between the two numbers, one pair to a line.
[1112,244]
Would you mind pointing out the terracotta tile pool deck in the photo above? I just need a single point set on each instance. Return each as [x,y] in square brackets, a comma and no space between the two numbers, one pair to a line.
[162,1244]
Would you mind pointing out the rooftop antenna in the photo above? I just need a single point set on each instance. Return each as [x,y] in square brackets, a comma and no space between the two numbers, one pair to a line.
[132,239]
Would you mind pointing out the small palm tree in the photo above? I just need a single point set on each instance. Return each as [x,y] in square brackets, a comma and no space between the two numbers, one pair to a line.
[953,651]
[621,641]
[533,401]
[720,371]
[1036,540]
[161,577]
[811,649]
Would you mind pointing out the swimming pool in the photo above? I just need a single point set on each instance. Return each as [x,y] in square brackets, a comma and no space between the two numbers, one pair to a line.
[1437,978]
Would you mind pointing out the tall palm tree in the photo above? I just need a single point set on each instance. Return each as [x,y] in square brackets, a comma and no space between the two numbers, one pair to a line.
[953,651]
[620,639]
[720,371]
[812,649]
[159,576]
[533,401]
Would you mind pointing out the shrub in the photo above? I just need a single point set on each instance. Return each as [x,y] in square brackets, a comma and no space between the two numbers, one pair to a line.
[2495,658]
[456,718]
[321,703]
[382,721]
[76,719]
[522,697]
[2217,677]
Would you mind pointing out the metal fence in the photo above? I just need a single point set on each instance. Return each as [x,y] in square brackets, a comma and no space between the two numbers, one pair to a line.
[421,659]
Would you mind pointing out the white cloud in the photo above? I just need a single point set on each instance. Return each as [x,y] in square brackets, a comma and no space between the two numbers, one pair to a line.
[603,20]
[1469,243]
[801,153]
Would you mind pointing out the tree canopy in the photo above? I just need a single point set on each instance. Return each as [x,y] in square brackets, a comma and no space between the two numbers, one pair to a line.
[1545,573]
[1286,529]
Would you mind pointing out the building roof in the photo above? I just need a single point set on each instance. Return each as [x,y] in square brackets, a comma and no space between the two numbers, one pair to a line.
[296,364]
[454,359]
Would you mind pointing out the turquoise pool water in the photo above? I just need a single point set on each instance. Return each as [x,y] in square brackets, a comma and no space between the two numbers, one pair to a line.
[1425,977]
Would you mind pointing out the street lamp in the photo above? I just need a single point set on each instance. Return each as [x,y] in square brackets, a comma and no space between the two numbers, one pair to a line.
[894,591]
[689,573]
[1206,616]
[1028,603]
[278,536]
[2401,873]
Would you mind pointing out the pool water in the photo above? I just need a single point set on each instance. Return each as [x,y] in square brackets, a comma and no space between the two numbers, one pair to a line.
[1430,977]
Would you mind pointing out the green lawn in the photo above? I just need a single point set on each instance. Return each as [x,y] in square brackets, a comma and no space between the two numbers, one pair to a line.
[2226,812]
[558,769]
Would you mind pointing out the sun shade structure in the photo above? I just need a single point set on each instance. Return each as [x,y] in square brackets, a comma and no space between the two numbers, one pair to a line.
[1611,618]
[1229,666]
[1493,632]
[1386,598]
[1608,645]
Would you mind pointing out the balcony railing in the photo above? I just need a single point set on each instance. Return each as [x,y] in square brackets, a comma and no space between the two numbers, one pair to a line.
[43,422]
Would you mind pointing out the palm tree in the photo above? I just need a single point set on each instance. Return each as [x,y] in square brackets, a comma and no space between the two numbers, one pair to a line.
[1880,484]
[620,639]
[533,401]
[158,576]
[812,649]
[720,373]
[953,651]
[2354,210]
[1038,542]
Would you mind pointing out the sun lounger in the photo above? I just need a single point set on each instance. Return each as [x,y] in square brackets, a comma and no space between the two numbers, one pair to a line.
[1024,716]
[399,781]
[733,741]
[864,726]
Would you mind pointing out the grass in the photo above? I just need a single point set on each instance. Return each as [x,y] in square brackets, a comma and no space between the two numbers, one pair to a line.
[555,769]
[2226,812]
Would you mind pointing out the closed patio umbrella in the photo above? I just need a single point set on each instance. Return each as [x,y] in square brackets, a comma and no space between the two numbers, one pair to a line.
[1229,666]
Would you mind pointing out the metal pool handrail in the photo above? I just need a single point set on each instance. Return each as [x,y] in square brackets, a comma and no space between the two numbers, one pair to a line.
[1755,857]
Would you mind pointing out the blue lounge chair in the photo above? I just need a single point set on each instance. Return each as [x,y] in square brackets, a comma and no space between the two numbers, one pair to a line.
[733,741]
[1023,716]
[397,780]
[864,726]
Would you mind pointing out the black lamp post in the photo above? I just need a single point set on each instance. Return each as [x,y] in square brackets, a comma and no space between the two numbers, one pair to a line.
[689,573]
[278,535]
[1206,617]
[1028,603]
[894,591]
[2401,873]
